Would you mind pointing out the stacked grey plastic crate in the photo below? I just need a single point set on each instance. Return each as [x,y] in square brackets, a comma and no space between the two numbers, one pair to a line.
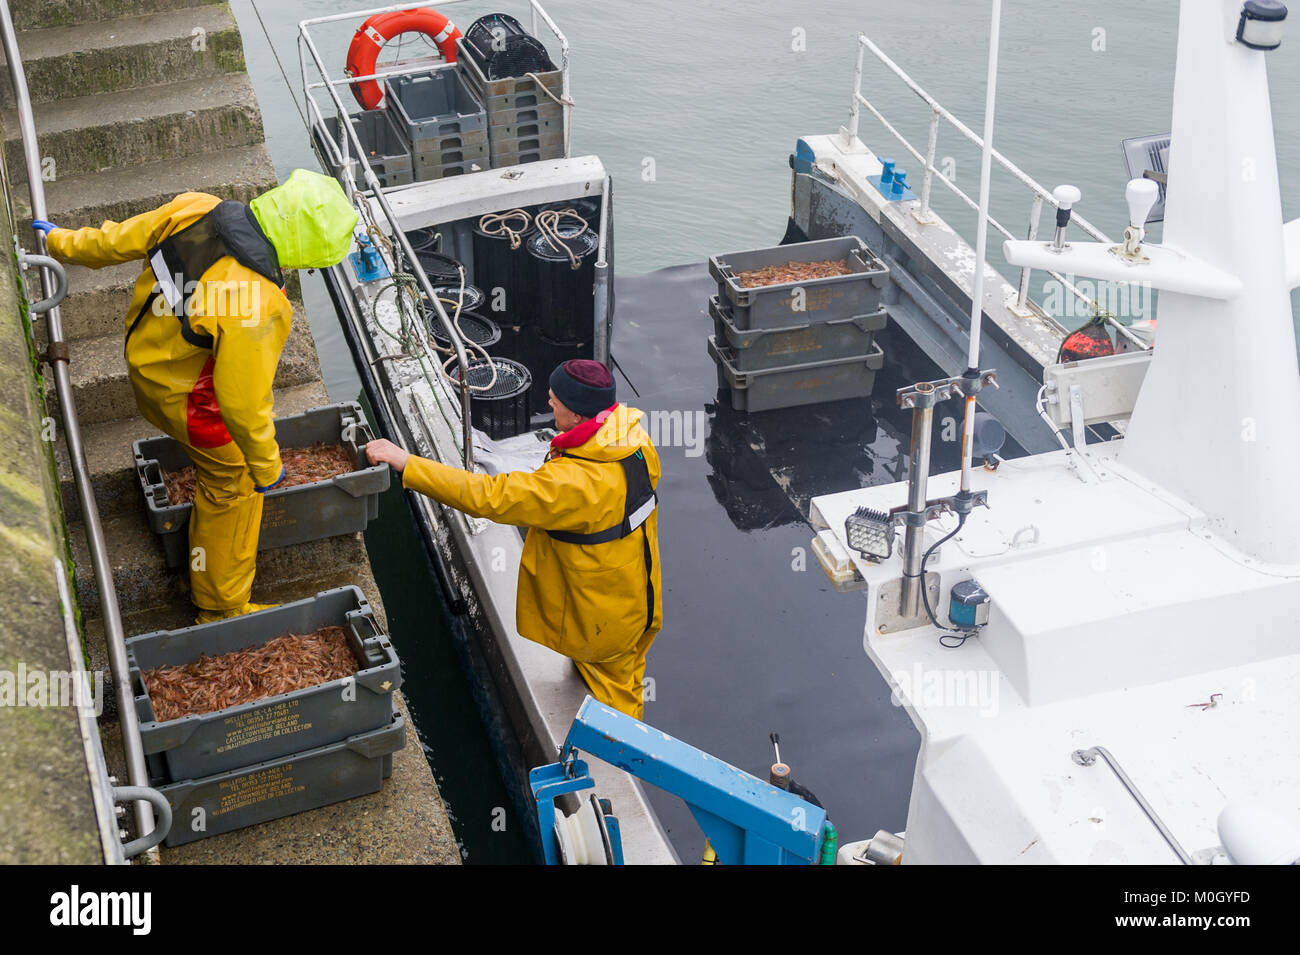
[798,343]
[431,126]
[282,754]
[444,123]
[525,123]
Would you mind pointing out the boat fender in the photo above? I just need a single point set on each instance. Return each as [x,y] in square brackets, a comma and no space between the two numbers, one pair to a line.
[382,27]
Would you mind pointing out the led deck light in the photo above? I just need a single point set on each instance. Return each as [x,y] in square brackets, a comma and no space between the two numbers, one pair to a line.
[1260,26]
[870,533]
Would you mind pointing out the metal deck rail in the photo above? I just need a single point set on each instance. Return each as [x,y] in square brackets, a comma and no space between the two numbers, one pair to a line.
[923,214]
[1087,757]
[350,145]
[57,356]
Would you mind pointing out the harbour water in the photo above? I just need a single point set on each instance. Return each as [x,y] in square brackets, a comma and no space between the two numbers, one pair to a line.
[694,108]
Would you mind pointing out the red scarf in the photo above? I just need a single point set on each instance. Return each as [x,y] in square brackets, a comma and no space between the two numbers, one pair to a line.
[580,434]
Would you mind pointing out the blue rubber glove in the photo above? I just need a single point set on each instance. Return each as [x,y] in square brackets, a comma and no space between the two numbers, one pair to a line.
[43,226]
[275,483]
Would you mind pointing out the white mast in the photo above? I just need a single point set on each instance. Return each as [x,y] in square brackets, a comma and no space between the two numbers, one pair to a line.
[1217,422]
[981,243]
[1218,419]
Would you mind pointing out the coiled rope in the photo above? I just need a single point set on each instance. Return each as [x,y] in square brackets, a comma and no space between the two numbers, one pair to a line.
[548,223]
[499,224]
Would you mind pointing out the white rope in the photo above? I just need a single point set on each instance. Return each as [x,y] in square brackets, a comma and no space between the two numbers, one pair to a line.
[548,223]
[562,100]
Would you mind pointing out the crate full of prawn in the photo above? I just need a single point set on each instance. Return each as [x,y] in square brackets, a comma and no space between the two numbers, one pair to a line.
[329,487]
[818,281]
[219,696]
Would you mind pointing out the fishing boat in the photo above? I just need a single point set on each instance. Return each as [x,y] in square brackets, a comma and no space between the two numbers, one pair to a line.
[1092,631]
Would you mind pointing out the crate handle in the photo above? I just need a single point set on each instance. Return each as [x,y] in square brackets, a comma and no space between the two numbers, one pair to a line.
[154,485]
[356,432]
[372,655]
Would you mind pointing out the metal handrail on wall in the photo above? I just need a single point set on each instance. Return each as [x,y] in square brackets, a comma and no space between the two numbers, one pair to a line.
[937,112]
[57,356]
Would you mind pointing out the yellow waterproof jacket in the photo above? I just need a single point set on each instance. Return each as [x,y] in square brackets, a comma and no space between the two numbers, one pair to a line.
[204,397]
[588,601]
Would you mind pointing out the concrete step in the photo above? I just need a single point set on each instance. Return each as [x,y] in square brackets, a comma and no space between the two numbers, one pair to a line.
[175,44]
[144,583]
[112,467]
[86,134]
[91,199]
[39,14]
[102,391]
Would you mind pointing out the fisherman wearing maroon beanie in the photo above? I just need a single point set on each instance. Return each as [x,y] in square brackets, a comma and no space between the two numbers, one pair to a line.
[589,580]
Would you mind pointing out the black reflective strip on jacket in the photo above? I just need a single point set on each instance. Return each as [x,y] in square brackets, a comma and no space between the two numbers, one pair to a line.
[639,494]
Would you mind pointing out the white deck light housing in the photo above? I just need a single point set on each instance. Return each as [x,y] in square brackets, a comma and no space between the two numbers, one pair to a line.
[1260,26]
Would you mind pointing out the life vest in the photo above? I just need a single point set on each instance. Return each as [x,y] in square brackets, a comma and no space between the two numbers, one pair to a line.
[638,504]
[180,261]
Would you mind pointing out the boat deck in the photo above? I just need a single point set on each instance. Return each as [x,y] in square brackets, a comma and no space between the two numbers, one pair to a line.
[755,638]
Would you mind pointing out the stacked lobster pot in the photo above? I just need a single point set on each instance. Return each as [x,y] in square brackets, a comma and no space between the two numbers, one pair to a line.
[796,324]
[520,87]
[443,122]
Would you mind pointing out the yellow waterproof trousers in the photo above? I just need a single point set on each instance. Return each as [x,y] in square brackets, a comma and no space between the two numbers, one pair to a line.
[618,681]
[224,527]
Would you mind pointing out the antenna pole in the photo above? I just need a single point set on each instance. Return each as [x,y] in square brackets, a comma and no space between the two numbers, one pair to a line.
[972,374]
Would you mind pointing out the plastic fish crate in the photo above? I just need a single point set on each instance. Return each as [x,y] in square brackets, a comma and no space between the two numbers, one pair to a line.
[442,170]
[208,743]
[290,515]
[547,111]
[511,92]
[763,348]
[793,385]
[542,130]
[550,143]
[472,145]
[772,306]
[386,148]
[434,104]
[224,802]
[451,155]
[527,150]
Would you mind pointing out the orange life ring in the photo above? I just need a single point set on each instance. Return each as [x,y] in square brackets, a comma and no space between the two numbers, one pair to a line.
[382,27]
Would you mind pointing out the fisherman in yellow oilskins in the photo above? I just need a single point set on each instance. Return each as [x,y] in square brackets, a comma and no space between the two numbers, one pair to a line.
[204,332]
[589,579]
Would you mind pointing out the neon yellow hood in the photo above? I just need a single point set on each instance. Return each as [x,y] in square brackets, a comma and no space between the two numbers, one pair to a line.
[308,219]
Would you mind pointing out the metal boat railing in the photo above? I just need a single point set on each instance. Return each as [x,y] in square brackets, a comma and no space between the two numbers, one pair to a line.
[1039,193]
[57,356]
[1087,757]
[349,144]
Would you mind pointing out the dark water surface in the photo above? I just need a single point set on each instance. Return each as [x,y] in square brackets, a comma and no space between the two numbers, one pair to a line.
[755,638]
